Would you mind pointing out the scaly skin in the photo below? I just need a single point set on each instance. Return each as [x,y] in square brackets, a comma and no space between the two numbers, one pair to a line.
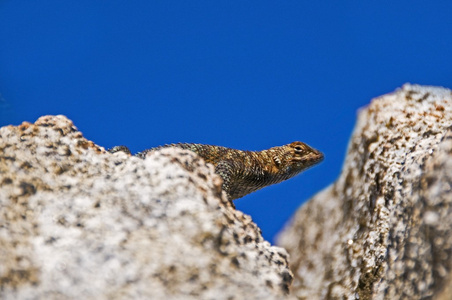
[244,172]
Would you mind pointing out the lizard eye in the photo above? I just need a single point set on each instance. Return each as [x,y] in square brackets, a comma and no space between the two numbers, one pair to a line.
[298,149]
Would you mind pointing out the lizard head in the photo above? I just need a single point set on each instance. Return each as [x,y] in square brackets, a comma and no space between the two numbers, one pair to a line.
[295,158]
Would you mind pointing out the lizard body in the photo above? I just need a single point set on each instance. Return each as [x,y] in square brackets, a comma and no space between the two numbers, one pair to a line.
[244,172]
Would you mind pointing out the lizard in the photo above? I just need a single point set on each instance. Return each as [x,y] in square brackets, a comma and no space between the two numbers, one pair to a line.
[244,172]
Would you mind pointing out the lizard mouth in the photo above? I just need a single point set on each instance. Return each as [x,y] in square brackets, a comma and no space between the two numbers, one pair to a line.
[311,159]
[316,157]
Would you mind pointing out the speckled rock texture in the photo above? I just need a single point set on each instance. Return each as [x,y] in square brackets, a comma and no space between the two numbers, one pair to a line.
[383,230]
[77,222]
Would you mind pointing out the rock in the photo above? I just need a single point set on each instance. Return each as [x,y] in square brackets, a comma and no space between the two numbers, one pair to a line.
[77,222]
[383,230]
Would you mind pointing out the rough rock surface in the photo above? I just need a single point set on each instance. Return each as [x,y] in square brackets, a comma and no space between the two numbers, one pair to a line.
[79,223]
[383,230]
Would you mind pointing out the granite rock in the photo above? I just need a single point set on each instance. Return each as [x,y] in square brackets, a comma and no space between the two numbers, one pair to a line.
[77,222]
[383,230]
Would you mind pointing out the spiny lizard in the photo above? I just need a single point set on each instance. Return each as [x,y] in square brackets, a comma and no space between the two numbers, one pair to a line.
[244,172]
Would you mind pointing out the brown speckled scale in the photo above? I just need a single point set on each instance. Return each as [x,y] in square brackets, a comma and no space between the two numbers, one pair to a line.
[244,172]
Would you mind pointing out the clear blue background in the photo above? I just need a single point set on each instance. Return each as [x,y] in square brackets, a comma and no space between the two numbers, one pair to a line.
[242,74]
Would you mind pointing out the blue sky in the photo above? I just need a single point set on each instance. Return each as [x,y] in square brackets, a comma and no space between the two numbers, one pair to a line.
[242,74]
